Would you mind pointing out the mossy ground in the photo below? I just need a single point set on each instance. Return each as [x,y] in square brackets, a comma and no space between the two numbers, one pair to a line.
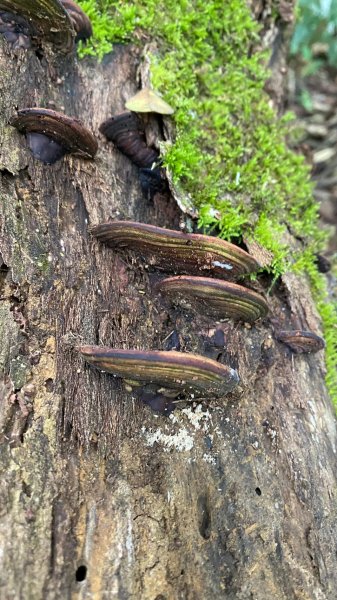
[230,152]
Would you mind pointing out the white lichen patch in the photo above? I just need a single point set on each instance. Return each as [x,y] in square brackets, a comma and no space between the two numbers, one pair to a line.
[209,458]
[182,439]
[198,417]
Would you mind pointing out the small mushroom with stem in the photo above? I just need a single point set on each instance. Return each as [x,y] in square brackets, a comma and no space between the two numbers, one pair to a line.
[171,250]
[215,297]
[159,377]
[300,341]
[24,21]
[146,101]
[51,135]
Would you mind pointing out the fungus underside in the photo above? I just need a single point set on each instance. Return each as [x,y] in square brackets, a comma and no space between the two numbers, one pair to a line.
[230,153]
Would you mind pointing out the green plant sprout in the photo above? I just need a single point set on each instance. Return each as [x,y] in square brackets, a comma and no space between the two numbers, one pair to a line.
[230,152]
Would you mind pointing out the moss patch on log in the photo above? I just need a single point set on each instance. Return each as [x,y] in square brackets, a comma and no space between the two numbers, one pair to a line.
[230,153]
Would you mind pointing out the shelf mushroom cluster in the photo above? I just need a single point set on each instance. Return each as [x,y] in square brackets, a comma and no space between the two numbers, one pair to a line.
[162,379]
[62,23]
[207,267]
[26,23]
[204,268]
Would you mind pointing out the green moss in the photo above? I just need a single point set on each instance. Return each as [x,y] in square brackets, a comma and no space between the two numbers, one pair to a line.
[230,152]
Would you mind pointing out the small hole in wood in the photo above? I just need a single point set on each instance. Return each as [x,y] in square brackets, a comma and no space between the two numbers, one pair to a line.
[49,384]
[258,491]
[81,573]
[204,515]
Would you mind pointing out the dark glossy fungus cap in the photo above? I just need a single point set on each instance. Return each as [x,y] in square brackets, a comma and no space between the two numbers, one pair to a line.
[176,251]
[215,296]
[67,132]
[47,20]
[79,19]
[301,341]
[189,373]
[127,133]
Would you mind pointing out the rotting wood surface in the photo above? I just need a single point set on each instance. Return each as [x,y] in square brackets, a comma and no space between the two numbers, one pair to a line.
[232,499]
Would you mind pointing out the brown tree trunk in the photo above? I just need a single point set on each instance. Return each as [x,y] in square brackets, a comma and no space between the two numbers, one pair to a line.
[99,496]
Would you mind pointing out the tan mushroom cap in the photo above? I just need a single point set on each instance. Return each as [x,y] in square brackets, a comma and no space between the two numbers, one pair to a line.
[67,131]
[148,101]
[176,370]
[48,20]
[216,296]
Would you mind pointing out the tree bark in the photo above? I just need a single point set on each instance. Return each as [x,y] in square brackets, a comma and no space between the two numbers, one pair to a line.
[100,497]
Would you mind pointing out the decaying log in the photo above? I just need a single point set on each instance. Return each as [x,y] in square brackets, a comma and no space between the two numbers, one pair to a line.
[100,497]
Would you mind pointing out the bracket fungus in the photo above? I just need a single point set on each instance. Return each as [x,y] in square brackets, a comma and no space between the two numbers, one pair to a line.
[24,20]
[79,19]
[300,341]
[51,135]
[217,297]
[173,373]
[127,133]
[15,30]
[171,250]
[147,101]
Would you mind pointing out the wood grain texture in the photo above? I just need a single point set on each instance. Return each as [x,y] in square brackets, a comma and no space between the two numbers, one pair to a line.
[235,499]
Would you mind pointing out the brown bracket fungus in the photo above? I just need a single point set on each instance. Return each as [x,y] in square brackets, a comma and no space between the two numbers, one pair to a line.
[216,297]
[24,20]
[301,341]
[172,371]
[51,135]
[15,30]
[127,133]
[176,251]
[79,19]
[147,101]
